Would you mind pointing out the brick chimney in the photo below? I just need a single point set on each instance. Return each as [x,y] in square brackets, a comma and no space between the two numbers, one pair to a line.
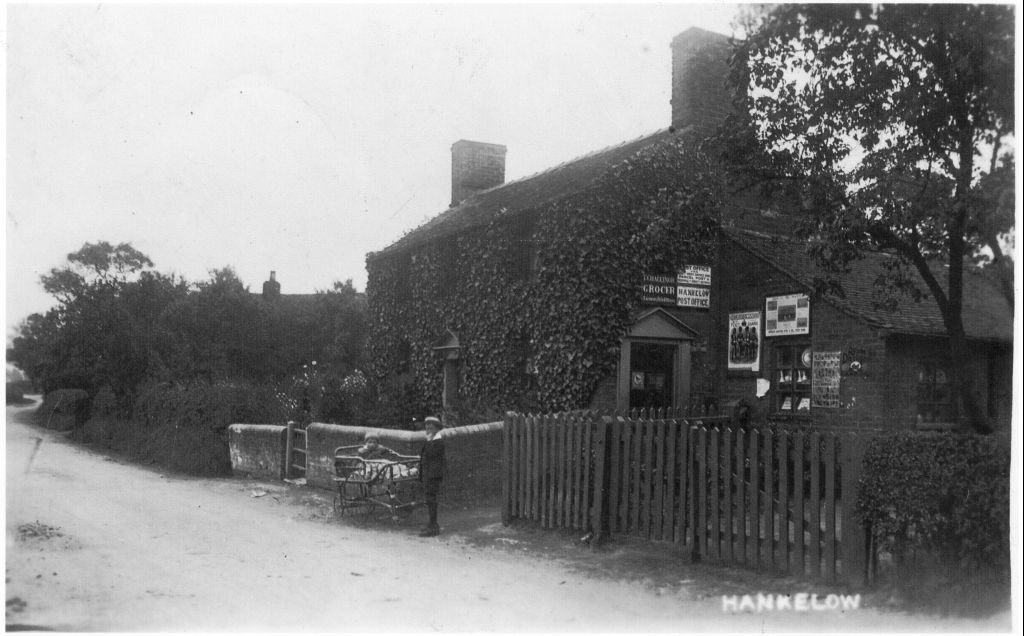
[700,68]
[476,166]
[271,288]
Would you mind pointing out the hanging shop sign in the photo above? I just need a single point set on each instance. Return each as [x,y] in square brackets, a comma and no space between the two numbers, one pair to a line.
[787,315]
[694,275]
[825,379]
[687,296]
[745,341]
[659,290]
[690,287]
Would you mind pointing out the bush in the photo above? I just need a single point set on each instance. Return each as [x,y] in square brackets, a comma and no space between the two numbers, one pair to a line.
[64,409]
[937,507]
[185,428]
[15,393]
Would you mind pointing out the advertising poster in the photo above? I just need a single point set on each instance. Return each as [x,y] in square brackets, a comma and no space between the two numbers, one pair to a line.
[745,341]
[787,315]
[825,379]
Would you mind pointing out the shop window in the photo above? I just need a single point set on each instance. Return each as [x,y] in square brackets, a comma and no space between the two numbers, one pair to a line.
[934,395]
[791,379]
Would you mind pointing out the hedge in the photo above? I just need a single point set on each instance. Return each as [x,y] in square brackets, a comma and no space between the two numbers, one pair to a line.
[183,428]
[941,503]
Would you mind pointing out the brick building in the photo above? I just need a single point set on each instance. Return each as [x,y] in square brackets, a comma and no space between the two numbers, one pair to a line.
[738,323]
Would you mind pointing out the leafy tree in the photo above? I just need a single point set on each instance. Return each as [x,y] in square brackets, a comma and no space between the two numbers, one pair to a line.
[213,330]
[87,340]
[889,127]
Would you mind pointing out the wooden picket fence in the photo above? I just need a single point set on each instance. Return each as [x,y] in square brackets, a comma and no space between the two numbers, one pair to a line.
[773,499]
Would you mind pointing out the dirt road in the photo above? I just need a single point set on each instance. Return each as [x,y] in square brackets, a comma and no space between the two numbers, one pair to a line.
[98,545]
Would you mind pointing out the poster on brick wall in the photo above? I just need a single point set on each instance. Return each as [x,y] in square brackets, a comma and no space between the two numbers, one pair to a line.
[787,315]
[825,379]
[745,341]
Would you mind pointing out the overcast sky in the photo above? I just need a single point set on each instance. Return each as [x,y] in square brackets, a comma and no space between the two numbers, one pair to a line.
[297,139]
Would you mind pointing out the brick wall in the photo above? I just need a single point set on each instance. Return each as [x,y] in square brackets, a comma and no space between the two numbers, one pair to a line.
[865,397]
[700,97]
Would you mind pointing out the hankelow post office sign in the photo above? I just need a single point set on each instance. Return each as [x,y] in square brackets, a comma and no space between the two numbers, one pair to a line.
[690,287]
[687,296]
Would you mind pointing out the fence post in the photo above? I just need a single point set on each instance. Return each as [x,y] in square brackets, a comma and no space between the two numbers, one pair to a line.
[506,457]
[854,539]
[600,426]
[289,449]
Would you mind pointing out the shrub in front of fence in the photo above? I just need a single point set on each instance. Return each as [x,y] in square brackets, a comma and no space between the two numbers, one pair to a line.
[937,508]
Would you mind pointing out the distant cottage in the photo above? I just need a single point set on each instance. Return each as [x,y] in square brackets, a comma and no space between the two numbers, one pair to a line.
[610,282]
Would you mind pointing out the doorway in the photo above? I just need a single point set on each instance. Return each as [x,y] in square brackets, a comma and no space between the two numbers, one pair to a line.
[651,375]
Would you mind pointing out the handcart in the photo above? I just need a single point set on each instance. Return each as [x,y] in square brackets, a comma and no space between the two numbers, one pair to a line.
[367,486]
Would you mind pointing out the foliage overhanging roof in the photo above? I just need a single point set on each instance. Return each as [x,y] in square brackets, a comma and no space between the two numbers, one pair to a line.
[987,314]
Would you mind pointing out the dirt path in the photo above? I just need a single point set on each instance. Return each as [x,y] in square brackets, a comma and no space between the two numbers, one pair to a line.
[97,545]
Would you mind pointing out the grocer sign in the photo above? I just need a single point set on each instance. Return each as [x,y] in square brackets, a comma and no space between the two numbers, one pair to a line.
[690,287]
[659,290]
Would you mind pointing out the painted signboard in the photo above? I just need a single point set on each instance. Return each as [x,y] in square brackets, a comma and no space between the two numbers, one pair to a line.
[787,315]
[745,341]
[690,287]
[658,290]
[694,275]
[825,379]
[687,296]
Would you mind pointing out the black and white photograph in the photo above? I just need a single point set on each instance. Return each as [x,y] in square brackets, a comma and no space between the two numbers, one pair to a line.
[400,317]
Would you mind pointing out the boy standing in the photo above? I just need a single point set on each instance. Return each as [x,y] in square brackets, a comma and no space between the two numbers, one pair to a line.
[432,472]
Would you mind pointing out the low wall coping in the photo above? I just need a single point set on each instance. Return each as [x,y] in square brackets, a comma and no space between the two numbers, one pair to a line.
[404,436]
[261,427]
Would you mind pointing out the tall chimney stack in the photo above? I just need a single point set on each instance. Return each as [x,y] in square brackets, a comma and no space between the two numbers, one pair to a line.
[700,67]
[271,288]
[476,166]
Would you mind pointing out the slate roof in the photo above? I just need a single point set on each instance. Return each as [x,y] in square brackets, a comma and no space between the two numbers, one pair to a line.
[987,314]
[527,193]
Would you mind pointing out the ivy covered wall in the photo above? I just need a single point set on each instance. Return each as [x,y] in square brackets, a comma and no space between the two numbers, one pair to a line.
[549,287]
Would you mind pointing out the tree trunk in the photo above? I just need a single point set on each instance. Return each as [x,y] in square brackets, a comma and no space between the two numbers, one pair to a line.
[966,400]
